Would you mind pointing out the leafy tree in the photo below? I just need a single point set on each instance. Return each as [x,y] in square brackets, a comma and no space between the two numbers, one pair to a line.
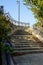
[36,6]
[5,29]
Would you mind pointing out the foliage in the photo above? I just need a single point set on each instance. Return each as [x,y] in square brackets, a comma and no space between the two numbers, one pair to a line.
[4,27]
[36,6]
[39,24]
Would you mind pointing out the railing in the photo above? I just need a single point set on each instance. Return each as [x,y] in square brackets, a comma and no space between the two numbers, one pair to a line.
[7,15]
[40,29]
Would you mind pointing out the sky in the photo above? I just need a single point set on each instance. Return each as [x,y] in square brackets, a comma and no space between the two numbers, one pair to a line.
[11,6]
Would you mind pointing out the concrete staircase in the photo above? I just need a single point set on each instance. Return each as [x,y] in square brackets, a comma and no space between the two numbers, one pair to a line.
[24,45]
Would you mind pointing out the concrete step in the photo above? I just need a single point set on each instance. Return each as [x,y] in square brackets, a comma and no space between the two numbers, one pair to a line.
[22,41]
[19,51]
[25,45]
[28,45]
[27,48]
[25,42]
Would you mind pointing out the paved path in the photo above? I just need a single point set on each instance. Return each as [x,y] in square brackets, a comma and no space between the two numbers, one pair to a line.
[30,59]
